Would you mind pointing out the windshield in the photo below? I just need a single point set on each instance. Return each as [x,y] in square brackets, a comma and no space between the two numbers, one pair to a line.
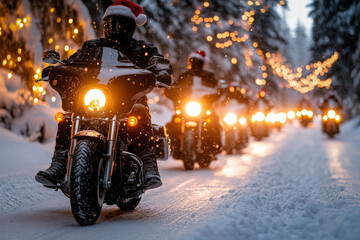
[104,55]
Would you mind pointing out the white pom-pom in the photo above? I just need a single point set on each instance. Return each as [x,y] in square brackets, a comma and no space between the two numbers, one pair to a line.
[141,19]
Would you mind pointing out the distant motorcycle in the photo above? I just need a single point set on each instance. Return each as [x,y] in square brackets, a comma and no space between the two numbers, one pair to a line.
[191,131]
[305,117]
[331,123]
[235,125]
[259,127]
[99,88]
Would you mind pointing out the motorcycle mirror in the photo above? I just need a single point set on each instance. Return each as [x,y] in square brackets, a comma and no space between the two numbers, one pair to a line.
[51,57]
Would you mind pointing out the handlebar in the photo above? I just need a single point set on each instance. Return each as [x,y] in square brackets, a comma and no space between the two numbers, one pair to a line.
[45,79]
[162,85]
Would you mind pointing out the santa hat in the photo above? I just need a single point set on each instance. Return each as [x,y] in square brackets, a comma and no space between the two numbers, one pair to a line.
[127,8]
[199,55]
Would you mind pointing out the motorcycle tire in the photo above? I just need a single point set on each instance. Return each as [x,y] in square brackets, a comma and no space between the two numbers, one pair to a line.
[128,205]
[229,142]
[189,153]
[86,190]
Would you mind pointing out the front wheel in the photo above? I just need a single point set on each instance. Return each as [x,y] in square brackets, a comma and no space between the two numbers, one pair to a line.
[189,153]
[86,190]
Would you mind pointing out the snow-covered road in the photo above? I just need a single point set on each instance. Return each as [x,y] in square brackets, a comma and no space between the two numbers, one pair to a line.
[296,184]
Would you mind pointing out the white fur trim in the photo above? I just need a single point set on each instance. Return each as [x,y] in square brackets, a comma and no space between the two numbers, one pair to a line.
[196,55]
[141,19]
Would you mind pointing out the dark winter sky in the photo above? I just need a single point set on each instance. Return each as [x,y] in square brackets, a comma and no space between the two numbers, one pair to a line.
[299,11]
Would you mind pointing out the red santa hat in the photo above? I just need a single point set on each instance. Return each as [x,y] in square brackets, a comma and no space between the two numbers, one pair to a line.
[128,9]
[200,55]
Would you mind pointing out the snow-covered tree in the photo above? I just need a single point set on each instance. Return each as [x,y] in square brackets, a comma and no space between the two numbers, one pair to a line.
[336,28]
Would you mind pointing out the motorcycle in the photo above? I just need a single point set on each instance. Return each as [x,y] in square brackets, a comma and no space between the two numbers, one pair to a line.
[234,122]
[331,123]
[192,129]
[305,117]
[98,91]
[259,127]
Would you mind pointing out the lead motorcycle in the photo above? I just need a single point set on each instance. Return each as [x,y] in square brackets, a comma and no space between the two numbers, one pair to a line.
[99,90]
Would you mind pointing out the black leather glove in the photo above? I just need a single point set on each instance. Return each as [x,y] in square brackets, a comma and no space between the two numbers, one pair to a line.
[164,77]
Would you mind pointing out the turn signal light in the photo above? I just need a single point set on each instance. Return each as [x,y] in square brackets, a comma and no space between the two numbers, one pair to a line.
[132,121]
[59,117]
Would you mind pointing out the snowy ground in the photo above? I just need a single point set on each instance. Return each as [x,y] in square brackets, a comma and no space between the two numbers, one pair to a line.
[296,184]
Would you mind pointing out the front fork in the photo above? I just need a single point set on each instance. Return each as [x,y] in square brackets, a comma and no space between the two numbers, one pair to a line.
[110,150]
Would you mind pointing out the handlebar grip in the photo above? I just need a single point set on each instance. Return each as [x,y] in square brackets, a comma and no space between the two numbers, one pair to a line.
[162,85]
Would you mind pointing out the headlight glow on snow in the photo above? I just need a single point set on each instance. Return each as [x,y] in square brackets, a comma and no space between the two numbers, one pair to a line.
[193,109]
[230,119]
[331,114]
[95,99]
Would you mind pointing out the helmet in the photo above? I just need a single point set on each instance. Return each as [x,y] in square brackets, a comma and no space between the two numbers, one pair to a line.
[118,27]
[196,60]
[121,18]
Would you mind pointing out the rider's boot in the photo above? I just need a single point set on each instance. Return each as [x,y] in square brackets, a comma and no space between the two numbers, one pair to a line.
[56,172]
[151,171]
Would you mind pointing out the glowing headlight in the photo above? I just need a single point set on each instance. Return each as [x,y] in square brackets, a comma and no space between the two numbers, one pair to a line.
[304,112]
[230,119]
[193,109]
[310,114]
[281,117]
[259,116]
[298,114]
[95,99]
[337,118]
[242,121]
[270,118]
[331,114]
[325,118]
[291,115]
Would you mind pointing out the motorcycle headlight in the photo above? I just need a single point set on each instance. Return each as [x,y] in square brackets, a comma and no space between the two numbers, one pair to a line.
[95,100]
[259,116]
[242,121]
[281,117]
[193,109]
[310,114]
[291,115]
[230,119]
[331,114]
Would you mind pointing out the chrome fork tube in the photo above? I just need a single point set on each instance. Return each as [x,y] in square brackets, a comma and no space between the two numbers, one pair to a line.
[75,126]
[110,152]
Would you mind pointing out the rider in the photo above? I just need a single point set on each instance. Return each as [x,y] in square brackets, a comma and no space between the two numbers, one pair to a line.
[196,75]
[304,104]
[331,101]
[120,20]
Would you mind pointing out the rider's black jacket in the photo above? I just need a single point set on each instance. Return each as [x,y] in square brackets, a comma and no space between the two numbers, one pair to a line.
[140,53]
